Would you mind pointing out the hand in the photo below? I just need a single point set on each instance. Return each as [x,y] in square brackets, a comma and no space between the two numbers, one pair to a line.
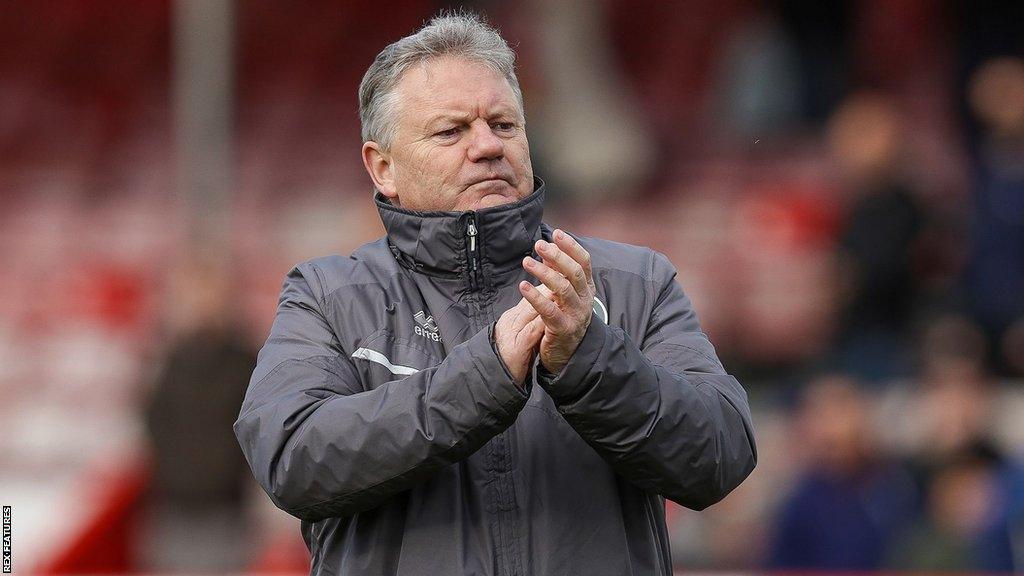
[517,334]
[565,311]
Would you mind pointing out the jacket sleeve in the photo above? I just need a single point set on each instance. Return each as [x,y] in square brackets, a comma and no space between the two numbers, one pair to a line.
[320,446]
[664,414]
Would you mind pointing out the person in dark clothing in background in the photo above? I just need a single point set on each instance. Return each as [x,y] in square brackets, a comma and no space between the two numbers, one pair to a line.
[968,518]
[994,275]
[971,486]
[879,241]
[196,520]
[848,500]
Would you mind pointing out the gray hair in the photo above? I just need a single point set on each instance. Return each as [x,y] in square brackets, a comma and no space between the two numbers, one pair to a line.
[454,34]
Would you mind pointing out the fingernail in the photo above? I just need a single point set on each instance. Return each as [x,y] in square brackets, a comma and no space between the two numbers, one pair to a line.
[559,234]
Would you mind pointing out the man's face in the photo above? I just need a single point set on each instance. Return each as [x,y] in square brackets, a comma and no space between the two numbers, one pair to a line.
[460,142]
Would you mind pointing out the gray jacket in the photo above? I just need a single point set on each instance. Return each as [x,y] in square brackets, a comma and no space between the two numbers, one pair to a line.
[381,415]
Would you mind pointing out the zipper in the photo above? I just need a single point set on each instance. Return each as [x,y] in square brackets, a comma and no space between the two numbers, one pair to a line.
[474,252]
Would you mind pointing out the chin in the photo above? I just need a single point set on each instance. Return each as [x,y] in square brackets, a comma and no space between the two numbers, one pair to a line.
[487,195]
[491,200]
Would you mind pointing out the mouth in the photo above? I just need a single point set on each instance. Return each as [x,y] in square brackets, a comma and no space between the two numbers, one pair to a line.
[486,192]
[491,180]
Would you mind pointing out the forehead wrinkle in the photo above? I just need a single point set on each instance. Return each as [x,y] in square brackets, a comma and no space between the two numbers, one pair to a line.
[454,106]
[448,115]
[497,107]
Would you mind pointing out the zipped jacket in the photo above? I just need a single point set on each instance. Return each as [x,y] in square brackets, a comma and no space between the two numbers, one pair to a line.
[382,416]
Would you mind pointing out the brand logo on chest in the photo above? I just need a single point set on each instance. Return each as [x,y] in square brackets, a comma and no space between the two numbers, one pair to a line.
[426,327]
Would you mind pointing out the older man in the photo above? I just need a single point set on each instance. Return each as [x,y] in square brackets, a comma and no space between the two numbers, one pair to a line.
[424,408]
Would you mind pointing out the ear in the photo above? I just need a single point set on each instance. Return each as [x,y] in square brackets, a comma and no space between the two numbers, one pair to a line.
[378,165]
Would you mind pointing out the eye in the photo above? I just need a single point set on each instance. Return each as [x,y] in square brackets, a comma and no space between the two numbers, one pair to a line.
[447,134]
[504,126]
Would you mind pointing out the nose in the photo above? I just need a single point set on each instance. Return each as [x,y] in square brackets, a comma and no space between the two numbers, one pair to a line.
[484,143]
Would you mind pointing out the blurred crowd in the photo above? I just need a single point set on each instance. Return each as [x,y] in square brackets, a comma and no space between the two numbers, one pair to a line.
[841,185]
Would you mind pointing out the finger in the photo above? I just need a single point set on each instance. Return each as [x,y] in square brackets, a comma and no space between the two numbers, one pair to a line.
[517,316]
[575,251]
[521,315]
[577,281]
[548,310]
[525,315]
[557,283]
[536,324]
[562,262]
[531,334]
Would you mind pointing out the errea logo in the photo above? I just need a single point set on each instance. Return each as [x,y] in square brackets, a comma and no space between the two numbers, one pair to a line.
[426,327]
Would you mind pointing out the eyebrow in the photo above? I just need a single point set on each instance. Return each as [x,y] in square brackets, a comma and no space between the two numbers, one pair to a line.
[445,117]
[460,117]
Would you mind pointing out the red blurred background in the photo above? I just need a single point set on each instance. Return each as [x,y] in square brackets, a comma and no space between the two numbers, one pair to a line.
[841,185]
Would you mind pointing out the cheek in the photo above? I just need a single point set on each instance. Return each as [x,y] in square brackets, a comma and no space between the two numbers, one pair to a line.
[521,150]
[419,167]
[413,170]
[426,158]
[523,165]
[446,162]
[526,161]
[429,178]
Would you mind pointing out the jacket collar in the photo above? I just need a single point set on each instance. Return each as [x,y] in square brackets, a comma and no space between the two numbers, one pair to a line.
[437,242]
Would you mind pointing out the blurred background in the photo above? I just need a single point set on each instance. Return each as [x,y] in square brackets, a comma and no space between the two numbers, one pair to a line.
[841,185]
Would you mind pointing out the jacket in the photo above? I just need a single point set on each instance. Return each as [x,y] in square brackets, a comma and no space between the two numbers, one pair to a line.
[381,415]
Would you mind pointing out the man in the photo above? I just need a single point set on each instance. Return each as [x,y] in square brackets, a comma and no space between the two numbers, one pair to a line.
[425,409]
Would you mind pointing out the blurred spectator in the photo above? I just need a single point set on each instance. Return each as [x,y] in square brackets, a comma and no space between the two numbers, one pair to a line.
[966,522]
[953,401]
[973,488]
[878,243]
[196,519]
[758,84]
[849,500]
[593,142]
[984,30]
[995,271]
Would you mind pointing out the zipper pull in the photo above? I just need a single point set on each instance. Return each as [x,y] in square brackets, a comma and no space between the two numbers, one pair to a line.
[474,260]
[472,236]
